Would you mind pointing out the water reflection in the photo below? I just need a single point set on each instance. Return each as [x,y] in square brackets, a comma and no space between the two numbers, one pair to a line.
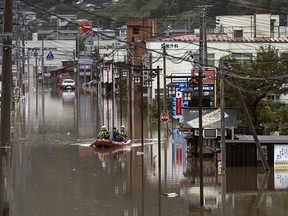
[5,181]
[68,96]
[53,165]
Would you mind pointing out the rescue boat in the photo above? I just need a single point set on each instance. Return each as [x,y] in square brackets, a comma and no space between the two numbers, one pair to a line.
[109,143]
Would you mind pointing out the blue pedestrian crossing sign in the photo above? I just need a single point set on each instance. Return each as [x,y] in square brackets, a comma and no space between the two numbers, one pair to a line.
[50,55]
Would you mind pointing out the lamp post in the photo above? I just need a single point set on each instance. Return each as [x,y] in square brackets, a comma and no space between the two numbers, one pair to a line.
[139,80]
[187,96]
[171,92]
[120,95]
[36,68]
[122,74]
[171,89]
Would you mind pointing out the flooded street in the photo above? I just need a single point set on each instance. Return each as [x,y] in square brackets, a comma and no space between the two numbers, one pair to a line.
[54,172]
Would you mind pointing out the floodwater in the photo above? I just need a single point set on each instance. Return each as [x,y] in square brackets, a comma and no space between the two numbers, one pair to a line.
[52,171]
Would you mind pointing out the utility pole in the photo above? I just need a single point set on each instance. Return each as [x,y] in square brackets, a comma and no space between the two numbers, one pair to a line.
[6,108]
[222,107]
[28,68]
[164,74]
[223,145]
[258,146]
[42,63]
[6,74]
[22,89]
[202,64]
[200,144]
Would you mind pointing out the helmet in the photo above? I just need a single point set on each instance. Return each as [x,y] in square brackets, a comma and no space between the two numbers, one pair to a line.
[122,126]
[103,126]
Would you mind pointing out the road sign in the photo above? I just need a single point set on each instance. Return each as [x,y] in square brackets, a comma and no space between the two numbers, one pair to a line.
[85,61]
[85,27]
[50,55]
[164,117]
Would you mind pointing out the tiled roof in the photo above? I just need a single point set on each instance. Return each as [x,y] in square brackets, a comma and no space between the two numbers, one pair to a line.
[219,37]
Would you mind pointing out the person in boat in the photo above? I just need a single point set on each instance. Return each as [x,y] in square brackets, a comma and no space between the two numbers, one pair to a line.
[115,135]
[104,133]
[123,134]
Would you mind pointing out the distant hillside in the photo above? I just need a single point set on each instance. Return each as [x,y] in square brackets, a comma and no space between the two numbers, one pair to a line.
[172,13]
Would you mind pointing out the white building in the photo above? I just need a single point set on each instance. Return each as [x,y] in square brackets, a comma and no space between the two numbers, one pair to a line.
[250,26]
[241,36]
[62,19]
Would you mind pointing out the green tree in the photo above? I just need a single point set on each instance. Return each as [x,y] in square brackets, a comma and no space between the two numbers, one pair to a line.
[282,120]
[257,78]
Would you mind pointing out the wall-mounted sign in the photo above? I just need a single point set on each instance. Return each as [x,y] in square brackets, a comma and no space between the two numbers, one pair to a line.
[178,103]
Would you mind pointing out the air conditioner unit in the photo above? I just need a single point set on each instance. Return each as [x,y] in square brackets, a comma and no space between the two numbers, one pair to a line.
[209,133]
[196,131]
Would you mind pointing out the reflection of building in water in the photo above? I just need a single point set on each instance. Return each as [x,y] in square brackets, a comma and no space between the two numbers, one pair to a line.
[245,189]
[191,182]
[86,116]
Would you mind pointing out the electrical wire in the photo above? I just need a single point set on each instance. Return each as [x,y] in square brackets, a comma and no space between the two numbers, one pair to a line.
[170,57]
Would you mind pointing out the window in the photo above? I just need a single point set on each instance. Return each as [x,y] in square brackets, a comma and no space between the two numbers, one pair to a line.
[242,57]
[272,97]
[238,33]
[135,31]
[210,60]
[272,26]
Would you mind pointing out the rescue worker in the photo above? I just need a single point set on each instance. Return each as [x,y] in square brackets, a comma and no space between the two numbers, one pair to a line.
[115,135]
[123,134]
[104,133]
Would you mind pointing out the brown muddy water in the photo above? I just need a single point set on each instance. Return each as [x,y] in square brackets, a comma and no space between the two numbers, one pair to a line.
[52,171]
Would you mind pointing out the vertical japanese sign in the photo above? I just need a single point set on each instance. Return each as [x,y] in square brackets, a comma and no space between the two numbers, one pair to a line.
[178,103]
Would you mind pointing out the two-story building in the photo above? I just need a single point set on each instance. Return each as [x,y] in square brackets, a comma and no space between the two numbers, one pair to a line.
[239,36]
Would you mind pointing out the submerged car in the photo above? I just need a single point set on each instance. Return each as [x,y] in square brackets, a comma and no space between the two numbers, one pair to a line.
[92,83]
[68,84]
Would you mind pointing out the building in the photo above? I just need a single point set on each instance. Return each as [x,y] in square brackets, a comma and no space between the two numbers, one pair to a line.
[251,26]
[139,30]
[240,40]
[62,20]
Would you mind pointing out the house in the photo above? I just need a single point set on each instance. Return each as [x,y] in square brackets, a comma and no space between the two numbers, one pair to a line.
[62,20]
[251,26]
[242,151]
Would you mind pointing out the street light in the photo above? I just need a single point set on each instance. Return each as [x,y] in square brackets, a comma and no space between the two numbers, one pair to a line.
[187,94]
[171,89]
[123,73]
[36,67]
[139,80]
[148,82]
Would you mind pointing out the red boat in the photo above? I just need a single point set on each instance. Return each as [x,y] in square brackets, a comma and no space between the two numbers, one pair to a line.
[109,143]
[112,150]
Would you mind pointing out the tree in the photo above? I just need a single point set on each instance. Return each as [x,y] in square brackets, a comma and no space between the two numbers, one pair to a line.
[257,78]
[282,120]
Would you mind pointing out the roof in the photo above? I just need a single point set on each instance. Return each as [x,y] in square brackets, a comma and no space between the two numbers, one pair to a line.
[218,37]
[263,139]
[63,67]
